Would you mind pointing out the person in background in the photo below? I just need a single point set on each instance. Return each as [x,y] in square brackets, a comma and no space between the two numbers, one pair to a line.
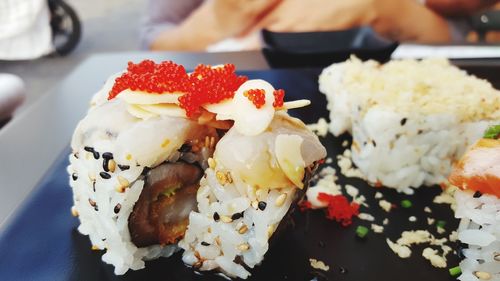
[197,25]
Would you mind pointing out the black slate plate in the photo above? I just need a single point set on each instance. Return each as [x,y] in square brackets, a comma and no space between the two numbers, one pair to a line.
[42,243]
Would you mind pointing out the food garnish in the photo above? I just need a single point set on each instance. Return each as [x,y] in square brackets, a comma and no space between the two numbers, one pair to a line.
[361,231]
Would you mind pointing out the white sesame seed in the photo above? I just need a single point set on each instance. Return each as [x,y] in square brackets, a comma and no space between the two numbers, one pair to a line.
[225,219]
[270,230]
[212,142]
[123,181]
[74,212]
[255,204]
[280,200]
[243,229]
[229,179]
[243,247]
[207,141]
[111,165]
[211,163]
[482,275]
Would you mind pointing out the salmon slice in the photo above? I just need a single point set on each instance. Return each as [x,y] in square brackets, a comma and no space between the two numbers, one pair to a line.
[479,168]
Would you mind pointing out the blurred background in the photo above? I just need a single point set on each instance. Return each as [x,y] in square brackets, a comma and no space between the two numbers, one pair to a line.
[107,26]
[29,68]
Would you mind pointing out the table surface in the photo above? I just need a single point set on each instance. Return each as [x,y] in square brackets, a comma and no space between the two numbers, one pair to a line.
[32,141]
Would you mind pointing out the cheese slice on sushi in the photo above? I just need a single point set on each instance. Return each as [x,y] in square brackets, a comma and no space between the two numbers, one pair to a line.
[410,120]
[150,136]
[477,175]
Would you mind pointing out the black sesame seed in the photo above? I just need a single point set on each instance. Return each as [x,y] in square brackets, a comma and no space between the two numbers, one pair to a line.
[419,132]
[185,148]
[96,155]
[203,243]
[105,175]
[123,167]
[93,186]
[107,155]
[117,208]
[76,155]
[236,216]
[403,121]
[74,176]
[89,149]
[262,205]
[374,143]
[105,163]
[145,171]
[92,202]
[95,208]
[477,194]
[216,216]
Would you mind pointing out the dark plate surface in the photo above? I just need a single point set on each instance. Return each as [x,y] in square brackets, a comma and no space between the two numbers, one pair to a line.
[42,242]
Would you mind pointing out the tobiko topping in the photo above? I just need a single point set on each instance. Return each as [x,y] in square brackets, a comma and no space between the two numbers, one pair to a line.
[278,98]
[150,77]
[256,96]
[205,85]
[209,85]
[339,208]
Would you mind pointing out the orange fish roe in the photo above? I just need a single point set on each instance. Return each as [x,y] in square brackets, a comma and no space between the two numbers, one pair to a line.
[256,96]
[147,76]
[278,98]
[339,208]
[206,85]
[209,86]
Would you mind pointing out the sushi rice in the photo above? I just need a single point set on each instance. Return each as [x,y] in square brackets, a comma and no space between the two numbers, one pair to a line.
[479,229]
[410,120]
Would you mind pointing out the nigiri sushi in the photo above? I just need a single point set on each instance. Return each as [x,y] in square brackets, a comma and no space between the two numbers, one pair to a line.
[477,175]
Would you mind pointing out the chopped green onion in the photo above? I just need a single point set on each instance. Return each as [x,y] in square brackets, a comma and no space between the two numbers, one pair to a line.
[440,224]
[455,271]
[406,203]
[492,132]
[361,231]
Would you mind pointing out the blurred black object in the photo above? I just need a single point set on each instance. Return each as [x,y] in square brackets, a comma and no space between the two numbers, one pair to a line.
[65,25]
[484,22]
[320,49]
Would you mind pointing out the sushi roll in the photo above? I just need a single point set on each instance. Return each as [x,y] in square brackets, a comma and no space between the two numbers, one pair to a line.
[409,120]
[477,175]
[150,136]
[257,174]
[138,155]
